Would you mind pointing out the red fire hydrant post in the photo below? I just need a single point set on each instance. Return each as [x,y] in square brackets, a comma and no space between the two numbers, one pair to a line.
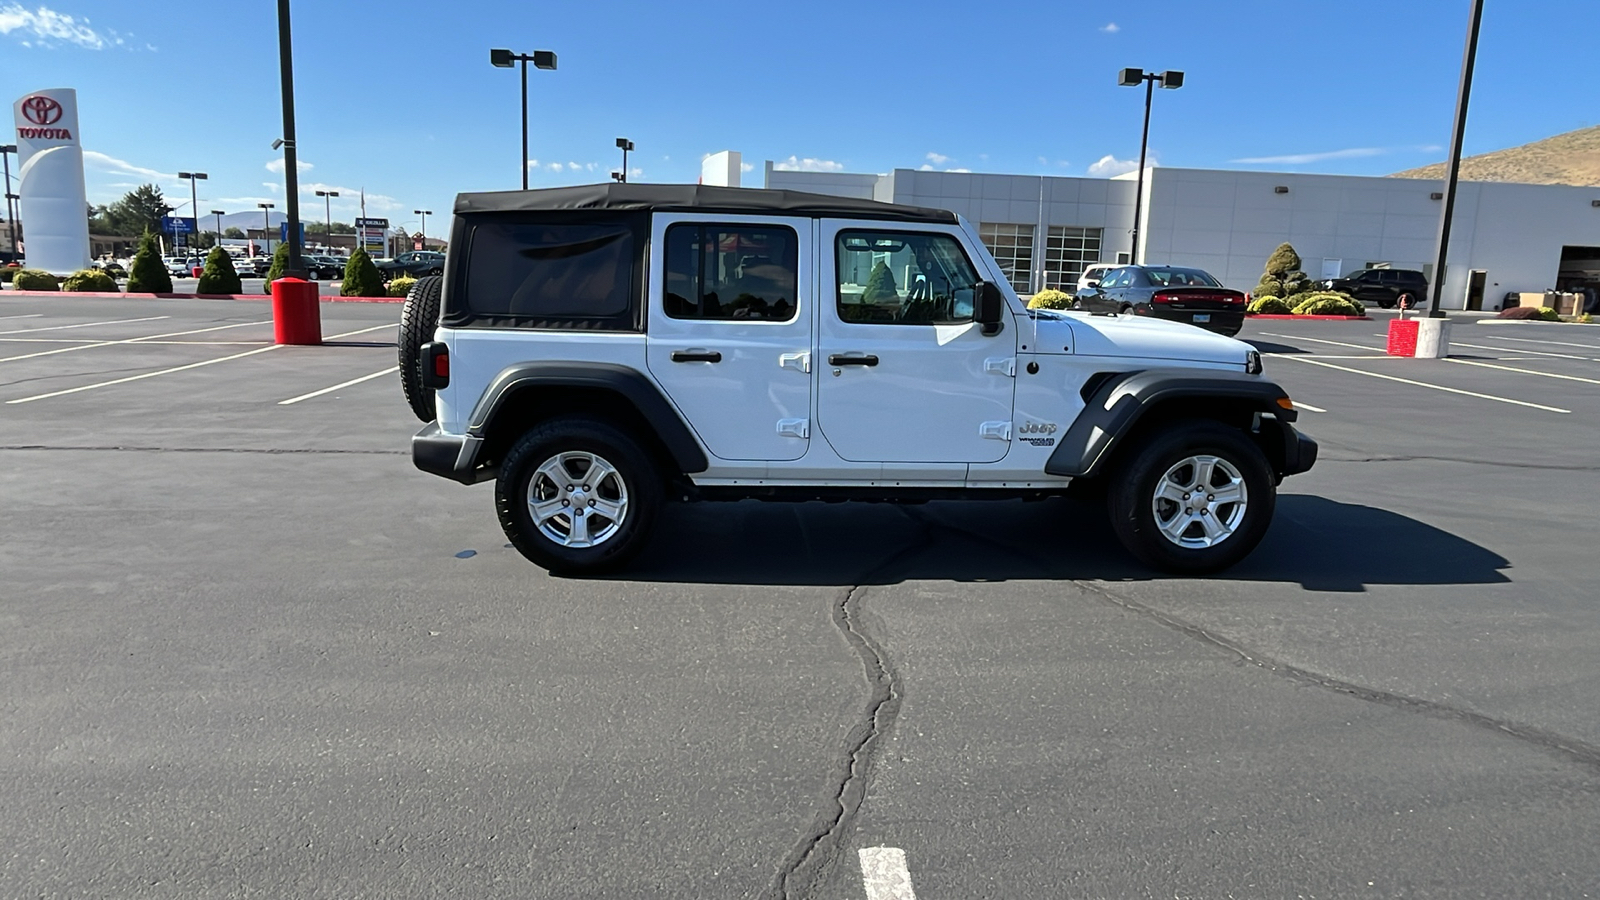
[295,316]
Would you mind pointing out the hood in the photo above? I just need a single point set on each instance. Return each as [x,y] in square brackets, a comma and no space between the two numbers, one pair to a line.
[1137,337]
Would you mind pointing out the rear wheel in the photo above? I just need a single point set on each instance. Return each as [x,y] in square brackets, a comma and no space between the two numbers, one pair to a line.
[418,318]
[577,495]
[1195,497]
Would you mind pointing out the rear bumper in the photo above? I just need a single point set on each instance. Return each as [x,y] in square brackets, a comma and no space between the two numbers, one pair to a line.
[452,456]
[1226,322]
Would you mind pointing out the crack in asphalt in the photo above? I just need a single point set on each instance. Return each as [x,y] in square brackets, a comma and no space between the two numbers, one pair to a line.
[1460,459]
[812,858]
[128,448]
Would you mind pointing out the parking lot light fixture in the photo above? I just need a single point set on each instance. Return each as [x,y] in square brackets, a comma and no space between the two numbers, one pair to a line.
[194,204]
[541,59]
[11,216]
[624,145]
[219,214]
[266,224]
[327,214]
[1171,80]
[1458,131]
[424,213]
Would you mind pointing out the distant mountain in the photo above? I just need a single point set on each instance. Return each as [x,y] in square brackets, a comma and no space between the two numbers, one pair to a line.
[1570,158]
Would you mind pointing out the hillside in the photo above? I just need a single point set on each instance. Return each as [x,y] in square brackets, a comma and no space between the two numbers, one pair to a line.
[1570,158]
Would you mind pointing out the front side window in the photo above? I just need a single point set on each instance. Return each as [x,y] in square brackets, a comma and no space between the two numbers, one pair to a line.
[731,272]
[903,278]
[549,275]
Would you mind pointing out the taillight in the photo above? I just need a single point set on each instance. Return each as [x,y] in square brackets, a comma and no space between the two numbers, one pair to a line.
[1238,299]
[434,359]
[1163,297]
[441,365]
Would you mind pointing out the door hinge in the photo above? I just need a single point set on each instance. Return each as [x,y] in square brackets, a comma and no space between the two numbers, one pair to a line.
[1006,365]
[796,428]
[995,431]
[800,362]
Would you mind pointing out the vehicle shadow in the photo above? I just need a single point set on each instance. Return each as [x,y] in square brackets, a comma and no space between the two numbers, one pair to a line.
[1314,542]
[1270,347]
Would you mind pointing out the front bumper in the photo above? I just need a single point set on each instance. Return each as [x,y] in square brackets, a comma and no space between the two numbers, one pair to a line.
[452,456]
[1299,451]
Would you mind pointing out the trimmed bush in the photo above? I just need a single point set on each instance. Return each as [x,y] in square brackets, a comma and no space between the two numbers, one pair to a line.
[35,280]
[1530,313]
[401,286]
[280,261]
[361,277]
[89,280]
[1269,306]
[880,286]
[1329,303]
[219,276]
[1050,298]
[147,274]
[1284,261]
[1268,287]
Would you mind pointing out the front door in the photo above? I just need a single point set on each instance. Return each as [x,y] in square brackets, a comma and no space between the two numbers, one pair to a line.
[907,376]
[730,334]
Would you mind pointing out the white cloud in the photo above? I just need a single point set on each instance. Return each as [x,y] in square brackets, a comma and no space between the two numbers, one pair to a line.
[533,163]
[276,166]
[938,159]
[555,167]
[47,28]
[1109,166]
[247,202]
[809,164]
[116,166]
[746,167]
[1295,159]
[1110,28]
[272,186]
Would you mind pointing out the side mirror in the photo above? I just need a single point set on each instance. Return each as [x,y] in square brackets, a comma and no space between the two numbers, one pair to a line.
[990,310]
[1093,283]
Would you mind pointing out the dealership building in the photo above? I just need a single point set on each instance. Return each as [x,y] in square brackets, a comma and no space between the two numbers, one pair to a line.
[1045,229]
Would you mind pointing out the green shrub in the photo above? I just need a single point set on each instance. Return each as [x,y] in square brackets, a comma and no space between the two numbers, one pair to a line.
[1283,261]
[1548,314]
[280,261]
[1269,306]
[35,280]
[1050,298]
[361,277]
[89,280]
[219,276]
[1328,303]
[1268,287]
[147,274]
[1296,283]
[401,286]
[880,285]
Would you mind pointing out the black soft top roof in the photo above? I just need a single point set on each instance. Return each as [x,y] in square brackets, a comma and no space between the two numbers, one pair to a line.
[693,198]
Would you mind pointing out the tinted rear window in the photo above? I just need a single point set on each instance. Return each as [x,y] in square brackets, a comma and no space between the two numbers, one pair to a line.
[549,275]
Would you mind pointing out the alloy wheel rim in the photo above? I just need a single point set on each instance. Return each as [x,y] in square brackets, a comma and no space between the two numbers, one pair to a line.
[577,499]
[1200,502]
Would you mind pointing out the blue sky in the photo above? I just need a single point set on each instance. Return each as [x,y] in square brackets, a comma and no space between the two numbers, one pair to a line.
[398,96]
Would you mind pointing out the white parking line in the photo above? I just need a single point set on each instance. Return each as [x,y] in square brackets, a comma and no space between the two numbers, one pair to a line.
[884,872]
[1436,387]
[1468,362]
[1516,350]
[343,384]
[1307,407]
[1292,337]
[148,339]
[84,325]
[23,316]
[209,362]
[1551,343]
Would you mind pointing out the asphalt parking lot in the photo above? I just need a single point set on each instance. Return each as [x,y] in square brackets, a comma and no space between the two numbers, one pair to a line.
[248,650]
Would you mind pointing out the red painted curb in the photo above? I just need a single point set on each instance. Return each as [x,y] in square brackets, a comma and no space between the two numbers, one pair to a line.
[1314,318]
[127,296]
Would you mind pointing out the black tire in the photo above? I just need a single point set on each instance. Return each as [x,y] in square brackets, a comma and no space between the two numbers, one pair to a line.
[1144,469]
[524,478]
[418,318]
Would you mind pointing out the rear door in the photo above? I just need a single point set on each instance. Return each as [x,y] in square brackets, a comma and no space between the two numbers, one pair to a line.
[730,330]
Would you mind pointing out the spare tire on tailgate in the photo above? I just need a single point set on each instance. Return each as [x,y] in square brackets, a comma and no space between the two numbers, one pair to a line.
[418,318]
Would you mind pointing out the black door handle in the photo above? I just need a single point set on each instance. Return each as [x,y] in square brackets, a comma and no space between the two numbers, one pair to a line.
[839,359]
[696,356]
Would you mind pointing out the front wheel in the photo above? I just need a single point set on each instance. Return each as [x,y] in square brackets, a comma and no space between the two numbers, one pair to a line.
[1195,497]
[577,495]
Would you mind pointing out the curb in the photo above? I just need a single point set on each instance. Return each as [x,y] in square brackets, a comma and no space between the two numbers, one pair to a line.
[122,295]
[1311,318]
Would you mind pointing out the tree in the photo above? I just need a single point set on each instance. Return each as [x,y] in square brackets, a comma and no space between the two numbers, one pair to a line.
[232,232]
[880,286]
[361,278]
[146,274]
[322,228]
[138,211]
[1283,277]
[219,276]
[280,261]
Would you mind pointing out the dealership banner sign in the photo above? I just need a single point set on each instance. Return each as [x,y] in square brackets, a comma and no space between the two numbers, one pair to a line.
[51,175]
[371,235]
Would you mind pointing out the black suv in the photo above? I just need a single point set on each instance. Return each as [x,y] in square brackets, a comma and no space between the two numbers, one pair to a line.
[1386,287]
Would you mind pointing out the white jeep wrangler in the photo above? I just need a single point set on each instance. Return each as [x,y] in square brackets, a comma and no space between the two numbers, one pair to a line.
[597,350]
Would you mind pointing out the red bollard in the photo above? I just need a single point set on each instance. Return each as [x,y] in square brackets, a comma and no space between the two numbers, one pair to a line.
[196,271]
[1402,337]
[295,316]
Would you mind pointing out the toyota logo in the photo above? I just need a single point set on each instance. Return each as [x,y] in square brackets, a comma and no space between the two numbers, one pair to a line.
[41,110]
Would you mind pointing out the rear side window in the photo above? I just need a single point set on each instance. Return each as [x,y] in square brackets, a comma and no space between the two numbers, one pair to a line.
[744,272]
[550,275]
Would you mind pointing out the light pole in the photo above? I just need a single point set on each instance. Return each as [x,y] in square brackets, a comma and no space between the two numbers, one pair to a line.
[194,205]
[266,224]
[291,169]
[11,215]
[424,213]
[219,214]
[1131,78]
[327,212]
[624,145]
[1456,135]
[541,59]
